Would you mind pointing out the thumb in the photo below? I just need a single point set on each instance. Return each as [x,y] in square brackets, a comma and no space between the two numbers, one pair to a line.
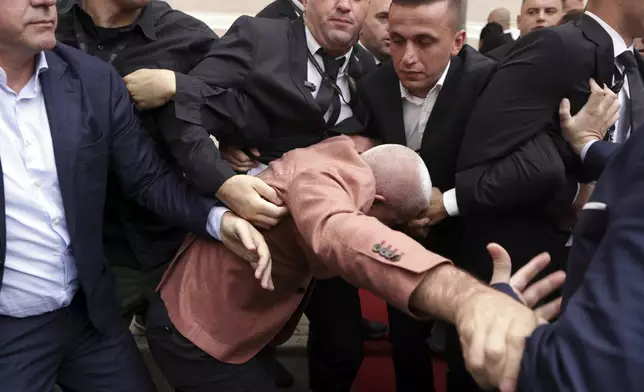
[564,110]
[267,192]
[502,265]
[594,87]
[254,151]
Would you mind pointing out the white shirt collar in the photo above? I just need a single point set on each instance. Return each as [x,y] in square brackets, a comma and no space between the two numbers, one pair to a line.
[298,5]
[41,66]
[314,46]
[404,93]
[619,45]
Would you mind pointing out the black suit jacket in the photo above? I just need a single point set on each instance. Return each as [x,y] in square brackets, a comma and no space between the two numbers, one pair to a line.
[279,9]
[516,174]
[94,129]
[499,53]
[264,62]
[466,79]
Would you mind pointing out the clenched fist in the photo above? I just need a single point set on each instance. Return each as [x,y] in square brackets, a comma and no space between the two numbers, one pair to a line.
[151,88]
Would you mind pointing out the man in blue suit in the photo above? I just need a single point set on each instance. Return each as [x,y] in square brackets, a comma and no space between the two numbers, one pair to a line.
[597,343]
[65,121]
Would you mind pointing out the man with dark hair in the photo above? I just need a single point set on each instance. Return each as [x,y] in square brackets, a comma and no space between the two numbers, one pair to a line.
[423,99]
[534,15]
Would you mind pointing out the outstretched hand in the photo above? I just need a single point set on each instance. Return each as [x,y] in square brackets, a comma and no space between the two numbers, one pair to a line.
[529,293]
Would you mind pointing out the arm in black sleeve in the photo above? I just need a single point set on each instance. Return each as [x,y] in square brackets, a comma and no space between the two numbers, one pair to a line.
[210,105]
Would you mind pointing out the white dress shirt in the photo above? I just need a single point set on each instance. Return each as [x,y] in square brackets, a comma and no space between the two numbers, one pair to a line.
[623,125]
[314,77]
[416,112]
[40,273]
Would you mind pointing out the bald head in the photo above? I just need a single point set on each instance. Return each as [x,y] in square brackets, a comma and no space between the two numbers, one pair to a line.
[500,16]
[402,179]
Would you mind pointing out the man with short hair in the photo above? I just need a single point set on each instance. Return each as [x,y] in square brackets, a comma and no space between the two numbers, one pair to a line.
[212,320]
[67,121]
[534,15]
[423,99]
[375,32]
[500,16]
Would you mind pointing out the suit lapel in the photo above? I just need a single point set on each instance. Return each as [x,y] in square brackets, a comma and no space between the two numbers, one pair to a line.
[63,103]
[605,54]
[389,106]
[435,132]
[298,64]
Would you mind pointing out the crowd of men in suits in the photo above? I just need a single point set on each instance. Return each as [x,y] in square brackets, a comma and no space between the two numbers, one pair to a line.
[361,144]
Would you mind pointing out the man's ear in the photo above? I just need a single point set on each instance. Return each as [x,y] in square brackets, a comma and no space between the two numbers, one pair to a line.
[459,40]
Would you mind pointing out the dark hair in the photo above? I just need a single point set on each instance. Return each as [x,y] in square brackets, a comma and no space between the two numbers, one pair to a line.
[571,16]
[457,7]
[491,37]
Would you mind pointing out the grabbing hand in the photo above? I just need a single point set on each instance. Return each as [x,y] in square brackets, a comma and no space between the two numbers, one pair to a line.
[528,294]
[492,328]
[151,88]
[246,242]
[592,122]
[253,200]
[434,214]
[238,158]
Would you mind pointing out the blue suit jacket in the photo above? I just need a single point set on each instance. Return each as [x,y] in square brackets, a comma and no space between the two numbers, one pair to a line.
[94,128]
[598,342]
[597,158]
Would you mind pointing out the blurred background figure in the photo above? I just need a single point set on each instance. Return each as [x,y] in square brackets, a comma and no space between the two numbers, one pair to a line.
[535,14]
[491,37]
[375,32]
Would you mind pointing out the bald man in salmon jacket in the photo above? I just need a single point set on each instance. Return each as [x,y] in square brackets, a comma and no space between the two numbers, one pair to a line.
[212,318]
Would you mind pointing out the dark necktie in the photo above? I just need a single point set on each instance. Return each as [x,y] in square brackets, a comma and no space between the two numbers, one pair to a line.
[327,95]
[635,87]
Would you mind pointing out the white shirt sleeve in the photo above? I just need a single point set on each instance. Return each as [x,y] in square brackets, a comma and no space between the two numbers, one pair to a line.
[214,222]
[449,201]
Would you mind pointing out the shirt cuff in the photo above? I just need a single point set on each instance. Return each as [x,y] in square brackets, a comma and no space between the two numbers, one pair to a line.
[214,221]
[584,151]
[449,201]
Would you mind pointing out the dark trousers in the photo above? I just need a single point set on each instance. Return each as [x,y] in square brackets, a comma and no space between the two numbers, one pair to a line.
[63,348]
[410,352]
[335,336]
[190,369]
[134,286]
